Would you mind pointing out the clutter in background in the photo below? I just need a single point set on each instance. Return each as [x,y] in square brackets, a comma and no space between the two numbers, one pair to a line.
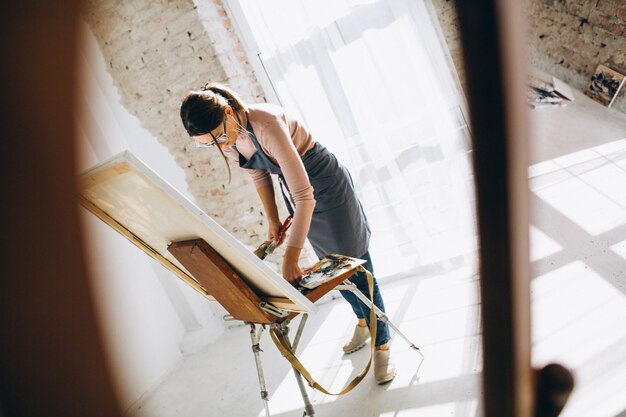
[542,94]
[605,85]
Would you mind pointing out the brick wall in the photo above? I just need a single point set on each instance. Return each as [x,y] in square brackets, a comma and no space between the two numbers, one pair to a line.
[569,38]
[155,52]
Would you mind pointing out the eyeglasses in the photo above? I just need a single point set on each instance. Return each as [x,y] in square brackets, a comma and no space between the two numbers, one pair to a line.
[223,138]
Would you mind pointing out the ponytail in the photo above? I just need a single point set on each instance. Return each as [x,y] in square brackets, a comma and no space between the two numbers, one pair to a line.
[221,90]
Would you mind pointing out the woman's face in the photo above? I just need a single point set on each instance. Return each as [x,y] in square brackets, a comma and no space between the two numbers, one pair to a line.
[225,134]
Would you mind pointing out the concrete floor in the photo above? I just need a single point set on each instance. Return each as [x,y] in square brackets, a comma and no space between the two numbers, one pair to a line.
[439,313]
[578,255]
[578,251]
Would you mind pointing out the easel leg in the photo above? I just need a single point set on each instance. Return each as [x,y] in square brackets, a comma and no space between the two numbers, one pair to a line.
[283,327]
[379,313]
[255,336]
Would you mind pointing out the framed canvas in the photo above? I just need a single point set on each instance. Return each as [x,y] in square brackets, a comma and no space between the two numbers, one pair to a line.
[132,199]
[605,85]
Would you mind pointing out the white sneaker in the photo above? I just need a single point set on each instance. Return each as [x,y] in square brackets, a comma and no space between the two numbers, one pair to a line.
[359,339]
[384,368]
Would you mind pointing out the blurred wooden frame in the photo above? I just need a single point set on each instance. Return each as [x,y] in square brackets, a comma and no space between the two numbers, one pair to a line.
[494,43]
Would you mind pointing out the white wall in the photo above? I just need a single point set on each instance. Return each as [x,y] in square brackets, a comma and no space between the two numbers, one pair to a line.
[148,317]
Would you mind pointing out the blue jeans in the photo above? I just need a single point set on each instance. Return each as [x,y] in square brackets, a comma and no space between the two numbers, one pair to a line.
[361,310]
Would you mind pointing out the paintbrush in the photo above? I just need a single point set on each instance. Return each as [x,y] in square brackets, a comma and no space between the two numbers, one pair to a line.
[268,246]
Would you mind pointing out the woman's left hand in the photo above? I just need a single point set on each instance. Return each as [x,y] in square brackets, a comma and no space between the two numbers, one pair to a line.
[291,269]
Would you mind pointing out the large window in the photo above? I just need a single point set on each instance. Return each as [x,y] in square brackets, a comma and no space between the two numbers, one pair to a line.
[372,81]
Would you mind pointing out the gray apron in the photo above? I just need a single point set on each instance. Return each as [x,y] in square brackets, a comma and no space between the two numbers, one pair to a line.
[338,224]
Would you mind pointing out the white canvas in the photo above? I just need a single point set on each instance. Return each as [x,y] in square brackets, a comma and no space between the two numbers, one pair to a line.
[136,202]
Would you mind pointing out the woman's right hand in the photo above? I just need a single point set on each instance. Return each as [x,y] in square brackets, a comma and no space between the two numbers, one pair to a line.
[273,230]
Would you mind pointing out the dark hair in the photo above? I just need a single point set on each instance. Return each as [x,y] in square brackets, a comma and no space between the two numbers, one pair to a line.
[203,110]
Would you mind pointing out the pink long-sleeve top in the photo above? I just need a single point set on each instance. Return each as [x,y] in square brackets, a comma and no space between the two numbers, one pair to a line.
[284,140]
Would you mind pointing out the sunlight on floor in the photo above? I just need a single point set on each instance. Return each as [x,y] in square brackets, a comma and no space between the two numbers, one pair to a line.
[579,285]
[575,311]
[449,409]
[620,249]
[440,314]
[584,205]
[578,289]
[542,245]
[320,357]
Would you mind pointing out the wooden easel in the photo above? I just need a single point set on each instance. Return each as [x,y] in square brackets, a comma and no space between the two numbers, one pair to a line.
[229,289]
[216,276]
[254,295]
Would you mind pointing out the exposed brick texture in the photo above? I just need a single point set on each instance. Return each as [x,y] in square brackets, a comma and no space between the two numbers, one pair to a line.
[569,38]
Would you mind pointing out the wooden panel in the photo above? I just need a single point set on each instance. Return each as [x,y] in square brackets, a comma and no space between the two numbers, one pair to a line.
[52,357]
[219,279]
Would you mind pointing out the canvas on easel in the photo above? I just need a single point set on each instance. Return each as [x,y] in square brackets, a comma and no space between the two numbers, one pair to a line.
[135,201]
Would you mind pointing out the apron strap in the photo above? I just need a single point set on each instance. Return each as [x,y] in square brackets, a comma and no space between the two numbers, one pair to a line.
[283,345]
[286,196]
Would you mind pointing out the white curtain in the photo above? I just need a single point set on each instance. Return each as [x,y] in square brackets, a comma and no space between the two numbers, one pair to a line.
[372,82]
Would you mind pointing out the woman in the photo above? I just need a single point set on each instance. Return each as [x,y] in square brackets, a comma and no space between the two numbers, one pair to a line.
[265,139]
